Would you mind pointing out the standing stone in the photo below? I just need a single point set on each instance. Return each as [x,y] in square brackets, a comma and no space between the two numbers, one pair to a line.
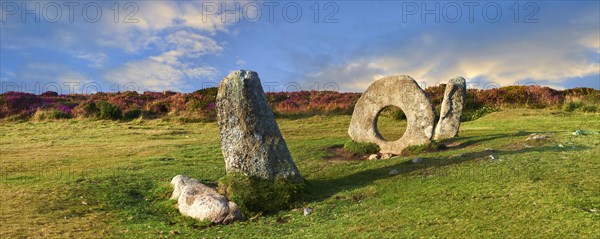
[400,91]
[452,108]
[250,138]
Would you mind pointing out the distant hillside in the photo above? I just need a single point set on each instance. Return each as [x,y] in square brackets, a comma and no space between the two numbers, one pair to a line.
[200,105]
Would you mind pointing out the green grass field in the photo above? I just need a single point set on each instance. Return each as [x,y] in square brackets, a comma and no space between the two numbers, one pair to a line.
[89,179]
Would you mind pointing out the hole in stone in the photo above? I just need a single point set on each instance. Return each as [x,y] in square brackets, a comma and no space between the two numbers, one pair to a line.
[390,123]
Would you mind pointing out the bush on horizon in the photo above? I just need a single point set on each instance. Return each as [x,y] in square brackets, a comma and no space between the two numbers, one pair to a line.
[200,104]
[109,111]
[41,115]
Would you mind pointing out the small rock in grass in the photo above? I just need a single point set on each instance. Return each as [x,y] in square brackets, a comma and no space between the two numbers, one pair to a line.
[561,146]
[493,157]
[489,149]
[394,172]
[307,211]
[373,157]
[538,137]
[458,156]
[417,160]
[584,132]
[386,156]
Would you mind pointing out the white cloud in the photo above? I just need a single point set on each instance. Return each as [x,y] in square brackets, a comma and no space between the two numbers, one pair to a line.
[148,74]
[96,59]
[173,69]
[192,44]
[240,62]
[156,17]
[153,75]
[535,57]
[181,36]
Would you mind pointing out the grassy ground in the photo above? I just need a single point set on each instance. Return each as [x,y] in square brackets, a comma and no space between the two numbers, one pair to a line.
[87,179]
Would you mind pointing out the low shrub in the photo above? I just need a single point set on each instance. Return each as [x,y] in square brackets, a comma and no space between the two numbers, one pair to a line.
[160,107]
[149,114]
[109,111]
[86,109]
[580,106]
[572,106]
[132,114]
[590,109]
[469,115]
[49,114]
[49,94]
[358,148]
[256,196]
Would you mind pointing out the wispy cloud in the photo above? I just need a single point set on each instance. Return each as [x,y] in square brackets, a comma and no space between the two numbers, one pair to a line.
[171,69]
[151,74]
[549,55]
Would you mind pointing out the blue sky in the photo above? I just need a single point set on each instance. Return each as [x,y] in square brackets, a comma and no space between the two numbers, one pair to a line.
[189,45]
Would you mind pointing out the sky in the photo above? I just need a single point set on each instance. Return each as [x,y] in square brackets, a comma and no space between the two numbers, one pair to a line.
[108,46]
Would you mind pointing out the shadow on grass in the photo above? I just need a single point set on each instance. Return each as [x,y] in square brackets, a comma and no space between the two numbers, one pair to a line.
[322,189]
[463,142]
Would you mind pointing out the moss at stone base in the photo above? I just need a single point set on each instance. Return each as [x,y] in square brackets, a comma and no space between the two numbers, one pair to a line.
[434,146]
[255,195]
[357,148]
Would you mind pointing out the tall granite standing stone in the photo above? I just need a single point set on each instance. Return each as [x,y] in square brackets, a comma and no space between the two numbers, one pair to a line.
[452,108]
[400,91]
[250,138]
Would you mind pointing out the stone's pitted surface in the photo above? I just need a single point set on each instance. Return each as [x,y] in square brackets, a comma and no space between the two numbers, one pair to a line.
[201,202]
[401,91]
[250,138]
[452,108]
[179,182]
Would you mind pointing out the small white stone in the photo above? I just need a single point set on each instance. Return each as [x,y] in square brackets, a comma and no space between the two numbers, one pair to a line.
[394,172]
[307,211]
[417,160]
[373,157]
